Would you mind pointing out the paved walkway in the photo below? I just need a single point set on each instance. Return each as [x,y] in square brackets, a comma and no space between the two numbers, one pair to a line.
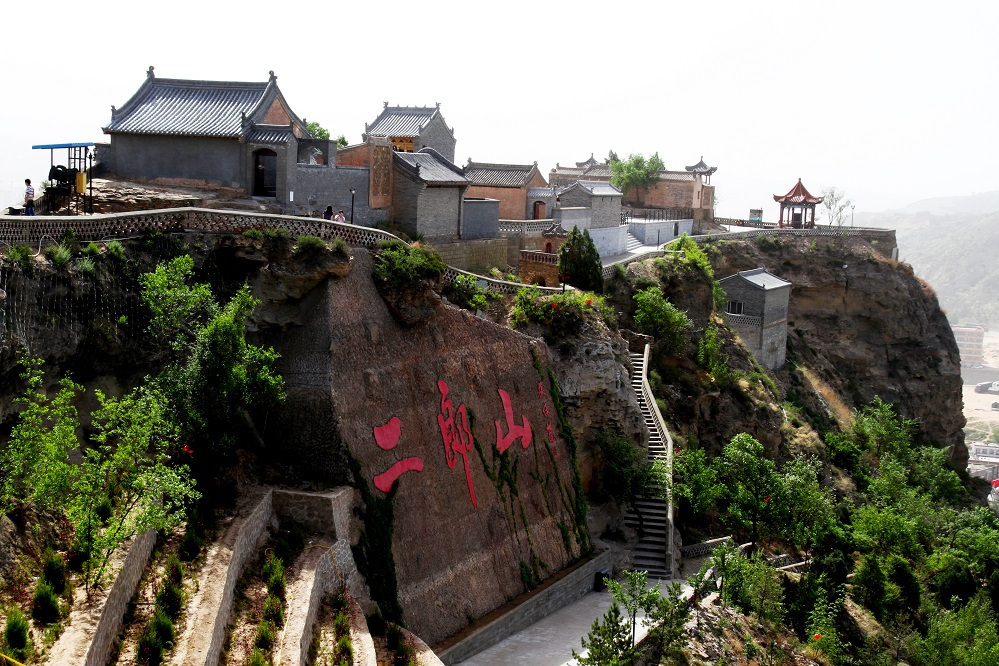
[550,642]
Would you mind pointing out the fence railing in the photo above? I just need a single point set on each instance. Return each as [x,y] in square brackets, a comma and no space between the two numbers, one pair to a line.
[32,231]
[539,257]
[660,424]
[524,226]
[656,214]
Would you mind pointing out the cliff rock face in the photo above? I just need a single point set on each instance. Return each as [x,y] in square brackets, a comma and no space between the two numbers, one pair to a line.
[478,513]
[864,326]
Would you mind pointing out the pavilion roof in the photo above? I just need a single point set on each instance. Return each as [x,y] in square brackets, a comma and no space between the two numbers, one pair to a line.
[798,195]
[702,168]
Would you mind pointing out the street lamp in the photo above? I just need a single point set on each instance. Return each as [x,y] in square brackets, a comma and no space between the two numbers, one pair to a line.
[352,191]
[852,206]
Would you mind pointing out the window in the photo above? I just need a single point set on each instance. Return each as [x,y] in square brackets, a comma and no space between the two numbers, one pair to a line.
[734,307]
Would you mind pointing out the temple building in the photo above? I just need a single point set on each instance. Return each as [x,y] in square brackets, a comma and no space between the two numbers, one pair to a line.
[410,128]
[800,207]
[510,184]
[757,309]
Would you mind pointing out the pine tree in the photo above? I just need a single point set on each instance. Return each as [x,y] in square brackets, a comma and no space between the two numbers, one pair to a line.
[579,262]
[609,641]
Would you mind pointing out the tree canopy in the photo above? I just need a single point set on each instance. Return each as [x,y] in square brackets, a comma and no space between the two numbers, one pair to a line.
[636,173]
[579,262]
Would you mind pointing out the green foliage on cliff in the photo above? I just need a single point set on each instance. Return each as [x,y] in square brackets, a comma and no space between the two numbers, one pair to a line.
[656,316]
[561,313]
[399,264]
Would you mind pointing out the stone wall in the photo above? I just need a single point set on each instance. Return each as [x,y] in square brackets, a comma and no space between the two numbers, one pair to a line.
[476,256]
[97,629]
[439,212]
[511,199]
[436,135]
[219,161]
[538,268]
[660,231]
[610,241]
[560,594]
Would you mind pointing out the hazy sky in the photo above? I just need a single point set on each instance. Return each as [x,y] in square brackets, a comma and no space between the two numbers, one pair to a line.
[892,102]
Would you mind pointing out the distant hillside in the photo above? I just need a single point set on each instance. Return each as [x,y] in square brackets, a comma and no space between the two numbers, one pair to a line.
[952,243]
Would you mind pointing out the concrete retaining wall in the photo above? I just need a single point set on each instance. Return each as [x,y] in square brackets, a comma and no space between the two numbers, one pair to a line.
[541,605]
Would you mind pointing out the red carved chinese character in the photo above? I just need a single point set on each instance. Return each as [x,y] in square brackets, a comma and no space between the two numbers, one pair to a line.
[386,437]
[551,433]
[456,435]
[541,390]
[514,431]
[545,410]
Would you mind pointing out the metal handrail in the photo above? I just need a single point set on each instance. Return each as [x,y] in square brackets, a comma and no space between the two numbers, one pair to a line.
[657,417]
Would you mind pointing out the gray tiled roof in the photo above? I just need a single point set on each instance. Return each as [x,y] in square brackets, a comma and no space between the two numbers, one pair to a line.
[265,134]
[759,277]
[599,189]
[597,171]
[681,176]
[402,120]
[499,175]
[189,108]
[431,167]
[544,192]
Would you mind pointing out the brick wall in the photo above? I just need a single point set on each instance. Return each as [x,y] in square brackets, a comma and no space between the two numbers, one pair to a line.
[511,206]
[438,212]
[437,136]
[532,270]
[480,218]
[664,194]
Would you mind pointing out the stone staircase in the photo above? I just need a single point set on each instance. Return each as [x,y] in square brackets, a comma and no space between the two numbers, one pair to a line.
[632,244]
[650,553]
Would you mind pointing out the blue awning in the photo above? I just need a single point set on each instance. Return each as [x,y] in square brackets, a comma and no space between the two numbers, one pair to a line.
[62,145]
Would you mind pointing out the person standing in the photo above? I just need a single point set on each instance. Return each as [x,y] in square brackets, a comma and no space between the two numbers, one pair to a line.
[29,197]
[339,217]
[328,213]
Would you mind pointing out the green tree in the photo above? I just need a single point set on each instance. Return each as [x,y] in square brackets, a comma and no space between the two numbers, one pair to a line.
[870,585]
[624,473]
[634,595]
[666,620]
[317,131]
[636,173]
[178,310]
[656,316]
[877,427]
[609,641]
[752,480]
[341,141]
[967,636]
[579,262]
[697,481]
[800,501]
[130,468]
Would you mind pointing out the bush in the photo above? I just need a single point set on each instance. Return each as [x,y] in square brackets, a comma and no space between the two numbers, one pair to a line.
[155,638]
[170,598]
[278,233]
[656,316]
[264,638]
[85,265]
[339,248]
[273,610]
[16,633]
[190,545]
[562,312]
[258,658]
[309,246]
[91,249]
[341,624]
[344,650]
[398,264]
[45,603]
[58,254]
[54,570]
[173,570]
[465,293]
[273,573]
[255,234]
[117,251]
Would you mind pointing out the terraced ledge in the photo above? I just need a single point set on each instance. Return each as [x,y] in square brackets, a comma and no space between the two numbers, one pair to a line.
[94,624]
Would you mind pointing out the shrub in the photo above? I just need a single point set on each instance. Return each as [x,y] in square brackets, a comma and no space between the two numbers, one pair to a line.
[398,264]
[309,246]
[58,254]
[170,598]
[562,312]
[264,638]
[656,316]
[85,265]
[710,356]
[190,545]
[91,249]
[344,650]
[274,575]
[23,255]
[255,234]
[258,658]
[465,293]
[16,633]
[273,610]
[162,626]
[54,570]
[116,250]
[339,248]
[45,603]
[173,570]
[279,233]
[341,624]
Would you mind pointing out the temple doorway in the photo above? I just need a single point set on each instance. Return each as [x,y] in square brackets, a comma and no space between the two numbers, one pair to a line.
[265,173]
